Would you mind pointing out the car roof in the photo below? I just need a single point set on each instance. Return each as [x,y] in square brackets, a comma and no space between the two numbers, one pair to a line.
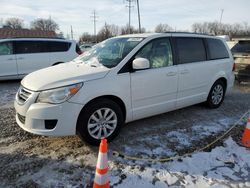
[40,39]
[184,34]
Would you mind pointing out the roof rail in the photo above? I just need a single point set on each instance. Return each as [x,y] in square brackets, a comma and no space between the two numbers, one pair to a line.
[33,38]
[183,32]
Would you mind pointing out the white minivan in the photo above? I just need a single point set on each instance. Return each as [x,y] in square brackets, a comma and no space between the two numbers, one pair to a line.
[20,56]
[123,79]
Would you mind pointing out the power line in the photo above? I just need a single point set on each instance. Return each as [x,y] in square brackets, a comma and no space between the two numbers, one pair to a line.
[71,32]
[222,10]
[129,13]
[139,16]
[94,21]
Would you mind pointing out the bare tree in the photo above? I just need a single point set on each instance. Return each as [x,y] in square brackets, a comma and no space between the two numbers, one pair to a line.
[1,22]
[129,30]
[13,23]
[44,24]
[216,28]
[104,33]
[160,28]
[86,37]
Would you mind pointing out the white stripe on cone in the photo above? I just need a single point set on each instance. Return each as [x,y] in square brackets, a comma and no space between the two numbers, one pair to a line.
[102,161]
[101,179]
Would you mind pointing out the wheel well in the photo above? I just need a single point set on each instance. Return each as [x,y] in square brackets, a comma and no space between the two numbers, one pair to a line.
[224,80]
[113,98]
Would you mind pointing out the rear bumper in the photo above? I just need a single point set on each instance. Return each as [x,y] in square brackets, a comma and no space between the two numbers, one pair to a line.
[230,82]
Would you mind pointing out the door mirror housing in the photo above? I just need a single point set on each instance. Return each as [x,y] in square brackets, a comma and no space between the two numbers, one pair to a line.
[141,63]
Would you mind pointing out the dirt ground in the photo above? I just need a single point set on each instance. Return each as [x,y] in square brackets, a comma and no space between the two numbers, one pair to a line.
[28,160]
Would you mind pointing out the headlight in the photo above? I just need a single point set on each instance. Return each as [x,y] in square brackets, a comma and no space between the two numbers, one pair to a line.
[59,95]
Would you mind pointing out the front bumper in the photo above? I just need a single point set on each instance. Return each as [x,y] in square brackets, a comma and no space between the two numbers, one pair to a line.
[31,117]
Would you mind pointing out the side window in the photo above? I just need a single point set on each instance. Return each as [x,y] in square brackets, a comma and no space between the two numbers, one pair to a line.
[217,49]
[6,48]
[158,52]
[190,50]
[25,47]
[55,46]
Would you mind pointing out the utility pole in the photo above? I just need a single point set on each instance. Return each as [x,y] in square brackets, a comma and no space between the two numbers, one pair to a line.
[129,14]
[71,31]
[222,10]
[94,17]
[139,17]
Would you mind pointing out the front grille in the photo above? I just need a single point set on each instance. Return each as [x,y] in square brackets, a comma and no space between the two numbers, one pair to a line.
[21,118]
[23,95]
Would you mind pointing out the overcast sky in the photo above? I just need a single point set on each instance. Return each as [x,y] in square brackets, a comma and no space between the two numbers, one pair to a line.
[179,14]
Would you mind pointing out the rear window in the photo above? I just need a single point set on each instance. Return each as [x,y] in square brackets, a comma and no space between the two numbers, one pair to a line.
[24,47]
[241,47]
[190,50]
[217,49]
[55,46]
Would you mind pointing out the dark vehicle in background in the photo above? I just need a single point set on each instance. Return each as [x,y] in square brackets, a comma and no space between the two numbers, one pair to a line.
[241,53]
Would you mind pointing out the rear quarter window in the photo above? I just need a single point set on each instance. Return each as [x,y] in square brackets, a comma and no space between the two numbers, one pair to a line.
[56,46]
[217,49]
[190,50]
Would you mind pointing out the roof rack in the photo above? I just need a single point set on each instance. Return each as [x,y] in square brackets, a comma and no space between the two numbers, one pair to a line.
[183,32]
[32,37]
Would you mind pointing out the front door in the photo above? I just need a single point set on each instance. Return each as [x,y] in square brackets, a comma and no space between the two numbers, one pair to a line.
[154,90]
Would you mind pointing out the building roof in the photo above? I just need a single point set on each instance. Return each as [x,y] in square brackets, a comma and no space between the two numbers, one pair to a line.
[25,33]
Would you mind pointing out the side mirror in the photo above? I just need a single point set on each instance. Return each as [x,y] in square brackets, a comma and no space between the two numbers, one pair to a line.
[141,63]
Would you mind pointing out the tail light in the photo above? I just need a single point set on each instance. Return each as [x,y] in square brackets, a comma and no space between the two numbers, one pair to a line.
[233,69]
[78,50]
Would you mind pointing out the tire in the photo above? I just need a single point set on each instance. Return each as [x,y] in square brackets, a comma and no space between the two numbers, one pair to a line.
[216,94]
[101,118]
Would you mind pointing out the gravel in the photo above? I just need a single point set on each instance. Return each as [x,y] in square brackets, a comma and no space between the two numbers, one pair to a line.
[27,160]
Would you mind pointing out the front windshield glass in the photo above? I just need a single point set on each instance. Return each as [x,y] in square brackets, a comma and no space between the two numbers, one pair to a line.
[110,52]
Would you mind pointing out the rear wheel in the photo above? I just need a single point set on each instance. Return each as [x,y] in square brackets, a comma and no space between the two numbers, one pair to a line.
[216,94]
[99,119]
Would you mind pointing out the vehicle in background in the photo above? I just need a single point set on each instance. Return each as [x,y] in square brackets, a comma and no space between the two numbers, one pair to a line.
[21,56]
[123,79]
[241,54]
[86,47]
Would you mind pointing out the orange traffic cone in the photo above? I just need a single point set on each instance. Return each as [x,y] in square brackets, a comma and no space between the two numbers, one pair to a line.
[101,174]
[246,135]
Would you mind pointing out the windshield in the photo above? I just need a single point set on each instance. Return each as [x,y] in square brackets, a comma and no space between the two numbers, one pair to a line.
[110,52]
[241,47]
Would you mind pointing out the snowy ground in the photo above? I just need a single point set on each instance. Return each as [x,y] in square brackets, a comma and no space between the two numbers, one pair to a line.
[28,160]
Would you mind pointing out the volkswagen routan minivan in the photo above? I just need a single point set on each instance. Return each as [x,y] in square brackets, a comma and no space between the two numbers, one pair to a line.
[123,79]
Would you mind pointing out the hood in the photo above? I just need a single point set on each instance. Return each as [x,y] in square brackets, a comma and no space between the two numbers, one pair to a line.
[62,75]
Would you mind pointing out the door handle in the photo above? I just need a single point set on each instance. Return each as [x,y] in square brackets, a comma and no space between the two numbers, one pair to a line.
[19,58]
[171,74]
[10,59]
[185,71]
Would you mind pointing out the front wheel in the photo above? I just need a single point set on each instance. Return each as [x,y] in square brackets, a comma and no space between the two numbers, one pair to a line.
[100,119]
[216,94]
